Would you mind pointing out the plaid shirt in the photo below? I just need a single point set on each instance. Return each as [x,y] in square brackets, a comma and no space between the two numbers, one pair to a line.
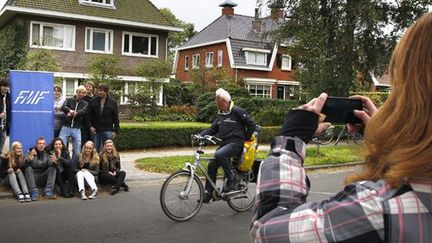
[363,212]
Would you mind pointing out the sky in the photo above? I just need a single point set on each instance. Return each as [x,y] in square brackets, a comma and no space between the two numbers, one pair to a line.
[202,12]
[199,12]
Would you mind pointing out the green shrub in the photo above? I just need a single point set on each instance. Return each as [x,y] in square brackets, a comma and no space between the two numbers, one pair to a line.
[168,134]
[270,116]
[378,98]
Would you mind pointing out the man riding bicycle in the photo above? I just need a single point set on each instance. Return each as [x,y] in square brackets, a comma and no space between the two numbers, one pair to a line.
[234,127]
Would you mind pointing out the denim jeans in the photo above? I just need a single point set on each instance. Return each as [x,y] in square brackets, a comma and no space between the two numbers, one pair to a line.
[101,137]
[222,159]
[16,179]
[46,178]
[75,135]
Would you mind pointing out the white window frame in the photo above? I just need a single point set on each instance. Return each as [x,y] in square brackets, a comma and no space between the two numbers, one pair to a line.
[103,4]
[41,25]
[286,67]
[265,87]
[186,63]
[249,61]
[209,60]
[108,43]
[195,61]
[130,87]
[220,58]
[131,34]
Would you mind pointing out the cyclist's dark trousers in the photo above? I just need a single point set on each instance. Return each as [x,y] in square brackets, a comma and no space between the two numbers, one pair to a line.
[222,159]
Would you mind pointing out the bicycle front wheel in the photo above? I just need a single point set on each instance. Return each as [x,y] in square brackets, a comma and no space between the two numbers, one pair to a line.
[245,198]
[181,196]
[326,137]
[357,138]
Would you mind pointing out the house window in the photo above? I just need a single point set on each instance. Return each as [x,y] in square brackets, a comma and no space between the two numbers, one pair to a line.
[219,60]
[186,64]
[195,61]
[256,58]
[286,63]
[98,3]
[134,87]
[99,40]
[209,60]
[52,36]
[259,90]
[136,44]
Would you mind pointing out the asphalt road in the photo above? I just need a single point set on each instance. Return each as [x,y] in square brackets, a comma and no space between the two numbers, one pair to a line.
[134,216]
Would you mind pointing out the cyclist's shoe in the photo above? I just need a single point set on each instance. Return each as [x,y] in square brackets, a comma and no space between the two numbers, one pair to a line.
[230,185]
[207,197]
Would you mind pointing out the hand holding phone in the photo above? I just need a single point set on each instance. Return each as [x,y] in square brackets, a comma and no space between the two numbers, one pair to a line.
[341,110]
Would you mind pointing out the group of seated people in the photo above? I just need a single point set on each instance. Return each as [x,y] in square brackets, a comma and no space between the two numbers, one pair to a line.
[48,166]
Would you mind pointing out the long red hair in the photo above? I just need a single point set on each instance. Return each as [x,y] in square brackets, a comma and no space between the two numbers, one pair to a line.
[399,136]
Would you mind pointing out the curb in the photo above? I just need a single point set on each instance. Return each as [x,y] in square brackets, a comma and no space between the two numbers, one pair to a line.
[330,166]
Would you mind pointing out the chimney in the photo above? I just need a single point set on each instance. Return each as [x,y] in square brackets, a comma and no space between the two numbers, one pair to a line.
[228,7]
[256,23]
[277,13]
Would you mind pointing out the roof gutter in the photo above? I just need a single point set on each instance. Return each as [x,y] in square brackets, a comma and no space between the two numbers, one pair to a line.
[63,15]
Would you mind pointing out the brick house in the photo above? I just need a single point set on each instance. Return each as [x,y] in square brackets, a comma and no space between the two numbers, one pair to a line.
[76,30]
[242,47]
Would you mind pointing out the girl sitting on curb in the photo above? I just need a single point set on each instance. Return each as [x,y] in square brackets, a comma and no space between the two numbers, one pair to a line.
[87,169]
[111,171]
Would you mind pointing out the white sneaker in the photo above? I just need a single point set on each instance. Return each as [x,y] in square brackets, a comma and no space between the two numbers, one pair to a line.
[94,195]
[21,198]
[83,195]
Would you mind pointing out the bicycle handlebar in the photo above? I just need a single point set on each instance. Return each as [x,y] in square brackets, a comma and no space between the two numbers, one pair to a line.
[212,139]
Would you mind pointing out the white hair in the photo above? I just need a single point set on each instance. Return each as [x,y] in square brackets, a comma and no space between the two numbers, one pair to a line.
[223,94]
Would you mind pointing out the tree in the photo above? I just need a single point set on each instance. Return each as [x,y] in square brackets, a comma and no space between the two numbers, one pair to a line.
[13,47]
[338,44]
[41,60]
[178,38]
[105,69]
[148,92]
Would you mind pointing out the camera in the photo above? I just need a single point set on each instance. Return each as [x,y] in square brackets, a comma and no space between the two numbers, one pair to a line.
[340,110]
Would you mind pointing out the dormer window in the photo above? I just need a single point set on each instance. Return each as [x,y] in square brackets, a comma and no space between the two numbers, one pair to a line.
[98,3]
[256,56]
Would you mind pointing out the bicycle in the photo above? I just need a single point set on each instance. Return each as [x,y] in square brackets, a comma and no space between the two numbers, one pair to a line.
[325,137]
[355,136]
[182,193]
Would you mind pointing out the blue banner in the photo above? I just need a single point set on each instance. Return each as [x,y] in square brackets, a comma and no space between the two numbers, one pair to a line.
[32,102]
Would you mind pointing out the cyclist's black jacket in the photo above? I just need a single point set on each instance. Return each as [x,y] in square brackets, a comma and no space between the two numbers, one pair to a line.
[232,127]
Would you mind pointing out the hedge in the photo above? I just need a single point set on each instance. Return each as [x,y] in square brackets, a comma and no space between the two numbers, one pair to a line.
[140,136]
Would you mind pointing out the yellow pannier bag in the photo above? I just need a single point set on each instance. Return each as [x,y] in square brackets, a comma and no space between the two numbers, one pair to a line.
[249,154]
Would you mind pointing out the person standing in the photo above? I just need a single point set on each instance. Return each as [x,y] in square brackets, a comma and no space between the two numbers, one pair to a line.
[103,113]
[5,111]
[111,172]
[59,115]
[40,170]
[75,109]
[234,127]
[85,130]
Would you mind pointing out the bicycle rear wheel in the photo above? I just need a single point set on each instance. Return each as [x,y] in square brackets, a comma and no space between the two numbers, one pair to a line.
[178,204]
[245,198]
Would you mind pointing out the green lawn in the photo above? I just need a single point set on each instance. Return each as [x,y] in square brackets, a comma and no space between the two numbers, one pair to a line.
[327,155]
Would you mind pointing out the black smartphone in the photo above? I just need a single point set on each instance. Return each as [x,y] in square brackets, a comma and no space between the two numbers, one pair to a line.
[340,110]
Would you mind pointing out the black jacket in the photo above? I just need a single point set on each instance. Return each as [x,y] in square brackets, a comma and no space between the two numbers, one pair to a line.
[40,163]
[105,120]
[74,105]
[8,109]
[233,127]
